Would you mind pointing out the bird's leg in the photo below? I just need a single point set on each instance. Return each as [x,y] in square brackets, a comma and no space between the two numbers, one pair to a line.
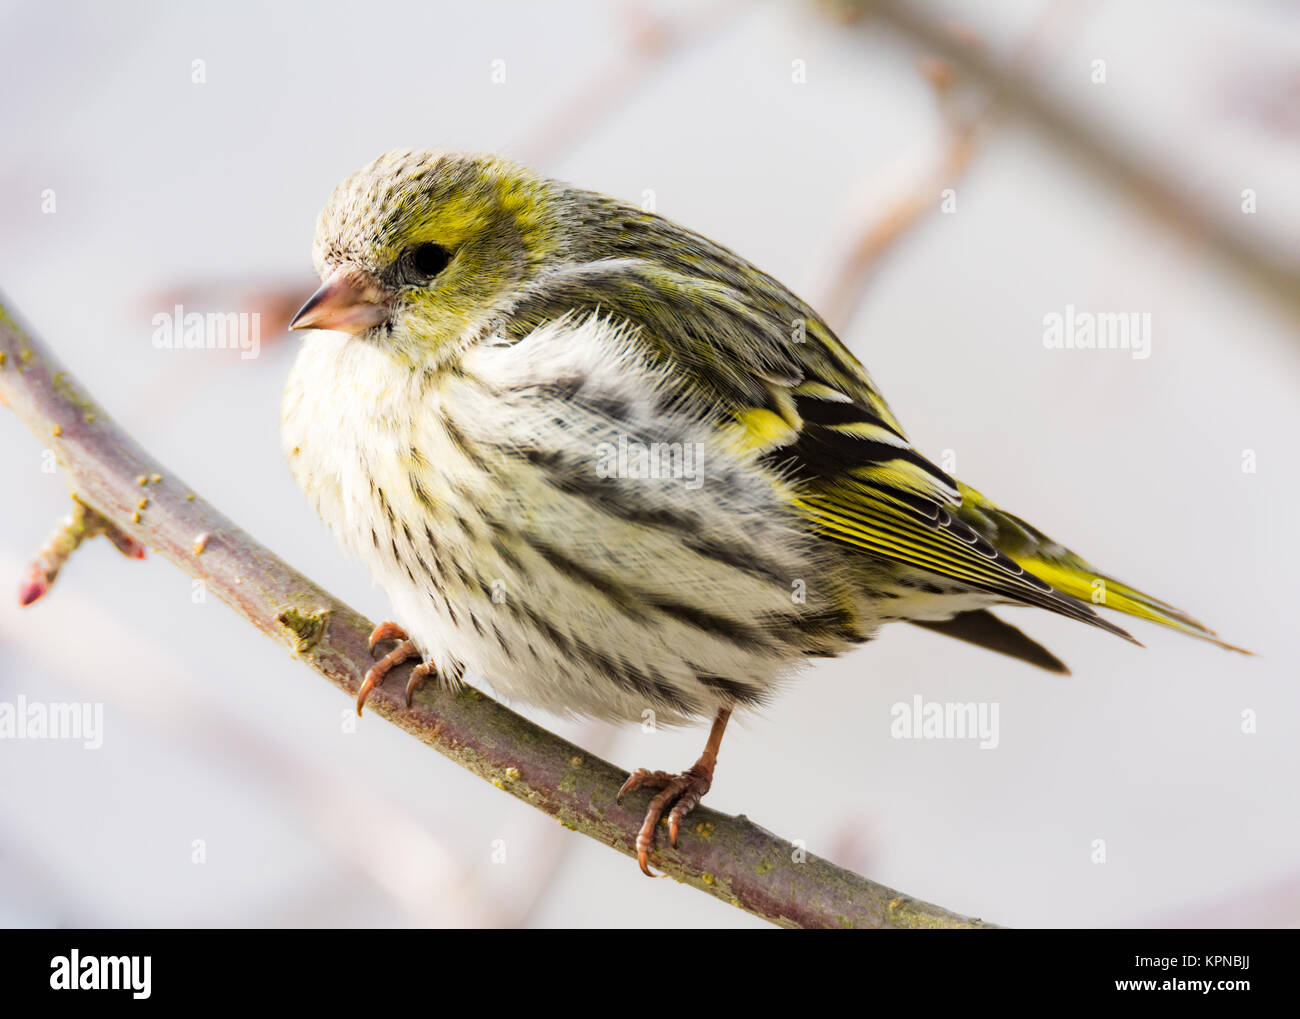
[404,652]
[683,791]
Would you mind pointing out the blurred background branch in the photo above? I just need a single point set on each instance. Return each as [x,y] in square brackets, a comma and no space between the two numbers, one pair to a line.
[930,177]
[1013,84]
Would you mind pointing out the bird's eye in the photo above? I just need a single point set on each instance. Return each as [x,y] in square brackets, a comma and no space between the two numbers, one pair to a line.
[427,260]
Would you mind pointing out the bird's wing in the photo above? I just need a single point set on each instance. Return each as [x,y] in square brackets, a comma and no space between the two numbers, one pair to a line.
[787,391]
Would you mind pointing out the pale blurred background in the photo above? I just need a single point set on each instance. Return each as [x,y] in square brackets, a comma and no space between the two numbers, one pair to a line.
[790,134]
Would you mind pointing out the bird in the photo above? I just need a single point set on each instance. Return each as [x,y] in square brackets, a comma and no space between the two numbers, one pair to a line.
[618,472]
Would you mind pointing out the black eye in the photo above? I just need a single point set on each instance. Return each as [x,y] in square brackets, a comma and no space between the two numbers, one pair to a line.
[427,260]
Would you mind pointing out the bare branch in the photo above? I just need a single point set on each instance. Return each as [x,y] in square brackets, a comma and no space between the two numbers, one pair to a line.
[82,523]
[731,858]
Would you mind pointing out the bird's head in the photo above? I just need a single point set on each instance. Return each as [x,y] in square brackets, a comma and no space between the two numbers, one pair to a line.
[422,248]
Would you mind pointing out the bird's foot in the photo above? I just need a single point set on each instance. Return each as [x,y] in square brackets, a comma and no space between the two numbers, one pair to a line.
[404,652]
[682,791]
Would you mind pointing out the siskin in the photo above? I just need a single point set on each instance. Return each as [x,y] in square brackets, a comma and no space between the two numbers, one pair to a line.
[614,468]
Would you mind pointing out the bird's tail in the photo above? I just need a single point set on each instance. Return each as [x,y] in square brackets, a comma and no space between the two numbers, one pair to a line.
[1071,574]
[1080,580]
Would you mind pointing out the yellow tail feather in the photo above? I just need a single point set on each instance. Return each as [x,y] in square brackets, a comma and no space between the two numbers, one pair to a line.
[1098,589]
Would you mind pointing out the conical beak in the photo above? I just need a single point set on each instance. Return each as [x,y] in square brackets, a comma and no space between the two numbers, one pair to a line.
[346,303]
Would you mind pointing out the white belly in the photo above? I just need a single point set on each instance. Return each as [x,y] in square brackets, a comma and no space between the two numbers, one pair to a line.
[482,513]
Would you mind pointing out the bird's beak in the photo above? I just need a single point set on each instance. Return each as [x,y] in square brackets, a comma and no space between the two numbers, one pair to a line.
[349,304]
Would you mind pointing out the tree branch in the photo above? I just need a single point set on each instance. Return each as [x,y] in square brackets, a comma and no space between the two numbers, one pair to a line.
[134,497]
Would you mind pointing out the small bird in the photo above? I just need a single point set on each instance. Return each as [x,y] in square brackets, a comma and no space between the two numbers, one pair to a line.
[619,472]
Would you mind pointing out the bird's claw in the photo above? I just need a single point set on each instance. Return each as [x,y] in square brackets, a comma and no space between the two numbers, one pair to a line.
[423,671]
[386,631]
[684,791]
[404,652]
